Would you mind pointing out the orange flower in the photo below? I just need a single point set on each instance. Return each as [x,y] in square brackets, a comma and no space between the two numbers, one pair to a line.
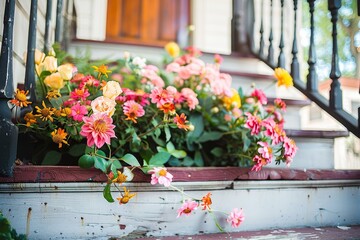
[125,197]
[102,70]
[45,114]
[20,99]
[59,136]
[29,118]
[206,201]
[283,77]
[121,178]
[168,108]
[181,121]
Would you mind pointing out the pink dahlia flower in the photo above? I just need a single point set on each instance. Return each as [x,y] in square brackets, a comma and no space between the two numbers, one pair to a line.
[265,150]
[260,95]
[236,217]
[188,207]
[133,110]
[253,123]
[161,96]
[98,129]
[78,112]
[160,175]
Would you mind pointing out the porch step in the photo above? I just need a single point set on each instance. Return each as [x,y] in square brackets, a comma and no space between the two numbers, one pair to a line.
[326,233]
[331,199]
[317,149]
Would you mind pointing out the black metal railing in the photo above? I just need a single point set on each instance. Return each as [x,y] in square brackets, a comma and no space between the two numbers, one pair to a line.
[309,88]
[8,131]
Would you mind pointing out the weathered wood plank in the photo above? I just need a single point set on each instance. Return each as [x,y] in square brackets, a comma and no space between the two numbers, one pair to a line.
[36,174]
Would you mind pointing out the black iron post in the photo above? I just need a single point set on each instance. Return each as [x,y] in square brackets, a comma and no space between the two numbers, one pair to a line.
[295,69]
[312,81]
[47,26]
[8,131]
[58,26]
[30,57]
[335,91]
[281,59]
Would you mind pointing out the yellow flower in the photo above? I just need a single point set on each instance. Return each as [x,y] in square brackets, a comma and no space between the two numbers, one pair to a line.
[54,81]
[60,112]
[66,111]
[66,71]
[232,102]
[53,94]
[124,199]
[59,136]
[29,118]
[20,98]
[45,114]
[121,178]
[173,49]
[102,70]
[283,77]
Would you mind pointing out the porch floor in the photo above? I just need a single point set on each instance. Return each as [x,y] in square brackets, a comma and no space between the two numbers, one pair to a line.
[324,233]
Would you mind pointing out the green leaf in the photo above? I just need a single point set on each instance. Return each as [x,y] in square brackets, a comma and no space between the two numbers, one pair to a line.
[246,141]
[187,162]
[58,102]
[5,226]
[107,193]
[116,163]
[174,162]
[101,164]
[86,161]
[113,170]
[51,158]
[167,133]
[170,147]
[217,152]
[161,149]
[77,150]
[89,149]
[210,136]
[198,121]
[159,159]
[178,153]
[198,159]
[130,159]
[146,154]
[101,153]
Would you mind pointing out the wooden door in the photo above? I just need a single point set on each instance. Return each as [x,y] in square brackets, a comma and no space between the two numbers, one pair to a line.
[147,22]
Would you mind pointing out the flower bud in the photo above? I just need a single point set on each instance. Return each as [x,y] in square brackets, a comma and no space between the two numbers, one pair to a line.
[214,110]
[39,56]
[52,52]
[191,127]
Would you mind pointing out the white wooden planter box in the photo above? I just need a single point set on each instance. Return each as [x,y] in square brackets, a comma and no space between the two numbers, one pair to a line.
[77,210]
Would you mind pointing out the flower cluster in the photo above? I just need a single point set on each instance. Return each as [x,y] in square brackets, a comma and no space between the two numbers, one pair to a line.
[128,114]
